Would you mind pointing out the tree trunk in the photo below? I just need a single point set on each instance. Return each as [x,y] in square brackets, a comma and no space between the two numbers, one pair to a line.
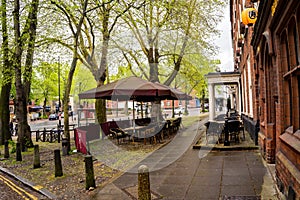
[6,81]
[26,39]
[100,104]
[44,106]
[4,113]
[70,76]
[66,101]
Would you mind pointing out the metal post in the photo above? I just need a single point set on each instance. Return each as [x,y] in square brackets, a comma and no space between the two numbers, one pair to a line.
[143,183]
[59,122]
[6,149]
[89,172]
[57,162]
[36,157]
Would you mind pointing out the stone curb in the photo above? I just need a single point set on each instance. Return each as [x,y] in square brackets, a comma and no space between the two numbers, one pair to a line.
[226,148]
[26,182]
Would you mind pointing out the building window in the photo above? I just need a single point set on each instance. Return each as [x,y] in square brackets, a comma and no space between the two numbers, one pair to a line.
[290,62]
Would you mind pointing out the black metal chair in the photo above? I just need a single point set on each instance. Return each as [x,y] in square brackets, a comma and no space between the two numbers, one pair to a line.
[117,133]
[214,129]
[234,130]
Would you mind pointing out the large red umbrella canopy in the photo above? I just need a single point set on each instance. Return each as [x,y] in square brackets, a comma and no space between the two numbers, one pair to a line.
[133,88]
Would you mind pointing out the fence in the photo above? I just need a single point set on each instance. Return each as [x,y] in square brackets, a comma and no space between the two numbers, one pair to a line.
[51,135]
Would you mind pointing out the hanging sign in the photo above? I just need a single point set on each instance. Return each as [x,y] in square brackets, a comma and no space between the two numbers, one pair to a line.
[249,16]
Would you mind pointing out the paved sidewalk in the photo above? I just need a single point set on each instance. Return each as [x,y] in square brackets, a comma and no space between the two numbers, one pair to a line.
[177,171]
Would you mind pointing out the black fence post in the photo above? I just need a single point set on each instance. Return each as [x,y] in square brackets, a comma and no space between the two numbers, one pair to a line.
[44,135]
[58,135]
[37,135]
[51,136]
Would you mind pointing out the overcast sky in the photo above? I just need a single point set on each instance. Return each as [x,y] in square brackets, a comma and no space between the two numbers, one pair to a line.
[225,43]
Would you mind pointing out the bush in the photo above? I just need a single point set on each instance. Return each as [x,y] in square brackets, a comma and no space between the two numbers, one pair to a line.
[13,146]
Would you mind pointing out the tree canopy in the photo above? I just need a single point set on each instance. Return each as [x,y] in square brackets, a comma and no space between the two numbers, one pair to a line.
[156,39]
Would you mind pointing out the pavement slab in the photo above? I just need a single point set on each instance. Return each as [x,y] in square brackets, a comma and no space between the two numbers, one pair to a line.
[180,171]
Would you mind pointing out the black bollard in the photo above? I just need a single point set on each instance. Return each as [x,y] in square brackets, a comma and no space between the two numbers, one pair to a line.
[89,172]
[58,166]
[18,152]
[6,150]
[36,157]
[143,183]
[64,144]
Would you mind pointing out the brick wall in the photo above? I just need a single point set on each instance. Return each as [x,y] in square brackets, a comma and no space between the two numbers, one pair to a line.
[287,175]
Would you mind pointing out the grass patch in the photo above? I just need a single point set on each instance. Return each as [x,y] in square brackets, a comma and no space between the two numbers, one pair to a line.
[190,120]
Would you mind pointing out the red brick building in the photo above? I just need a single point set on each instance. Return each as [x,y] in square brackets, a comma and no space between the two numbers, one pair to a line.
[271,55]
[245,64]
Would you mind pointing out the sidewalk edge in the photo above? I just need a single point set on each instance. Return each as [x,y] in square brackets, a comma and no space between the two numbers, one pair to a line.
[26,182]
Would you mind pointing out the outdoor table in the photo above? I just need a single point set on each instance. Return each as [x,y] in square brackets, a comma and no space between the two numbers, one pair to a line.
[133,130]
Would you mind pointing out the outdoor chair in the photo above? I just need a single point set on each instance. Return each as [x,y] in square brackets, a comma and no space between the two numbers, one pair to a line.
[158,134]
[214,129]
[171,127]
[179,122]
[234,130]
[117,133]
[175,125]
[106,126]
[164,130]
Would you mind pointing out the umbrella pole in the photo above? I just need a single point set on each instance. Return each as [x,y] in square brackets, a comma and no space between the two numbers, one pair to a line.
[133,120]
[173,107]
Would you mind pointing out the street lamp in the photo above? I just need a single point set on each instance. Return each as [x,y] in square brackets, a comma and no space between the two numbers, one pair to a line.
[59,105]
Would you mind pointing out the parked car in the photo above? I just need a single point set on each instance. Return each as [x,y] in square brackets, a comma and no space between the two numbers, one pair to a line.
[179,111]
[53,116]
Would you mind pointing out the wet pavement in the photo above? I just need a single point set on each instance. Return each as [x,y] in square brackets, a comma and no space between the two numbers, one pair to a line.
[177,171]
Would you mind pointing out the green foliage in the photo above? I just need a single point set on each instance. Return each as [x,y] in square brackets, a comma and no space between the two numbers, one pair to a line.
[83,80]
[167,36]
[45,81]
[123,72]
[12,144]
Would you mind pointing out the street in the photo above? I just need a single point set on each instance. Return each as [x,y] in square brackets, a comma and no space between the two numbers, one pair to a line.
[12,189]
[49,124]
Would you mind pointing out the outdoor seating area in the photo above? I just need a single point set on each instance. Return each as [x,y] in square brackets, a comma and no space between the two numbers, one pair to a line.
[135,89]
[145,130]
[225,128]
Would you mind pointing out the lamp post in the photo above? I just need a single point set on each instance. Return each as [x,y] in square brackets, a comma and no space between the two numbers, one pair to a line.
[79,108]
[59,114]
